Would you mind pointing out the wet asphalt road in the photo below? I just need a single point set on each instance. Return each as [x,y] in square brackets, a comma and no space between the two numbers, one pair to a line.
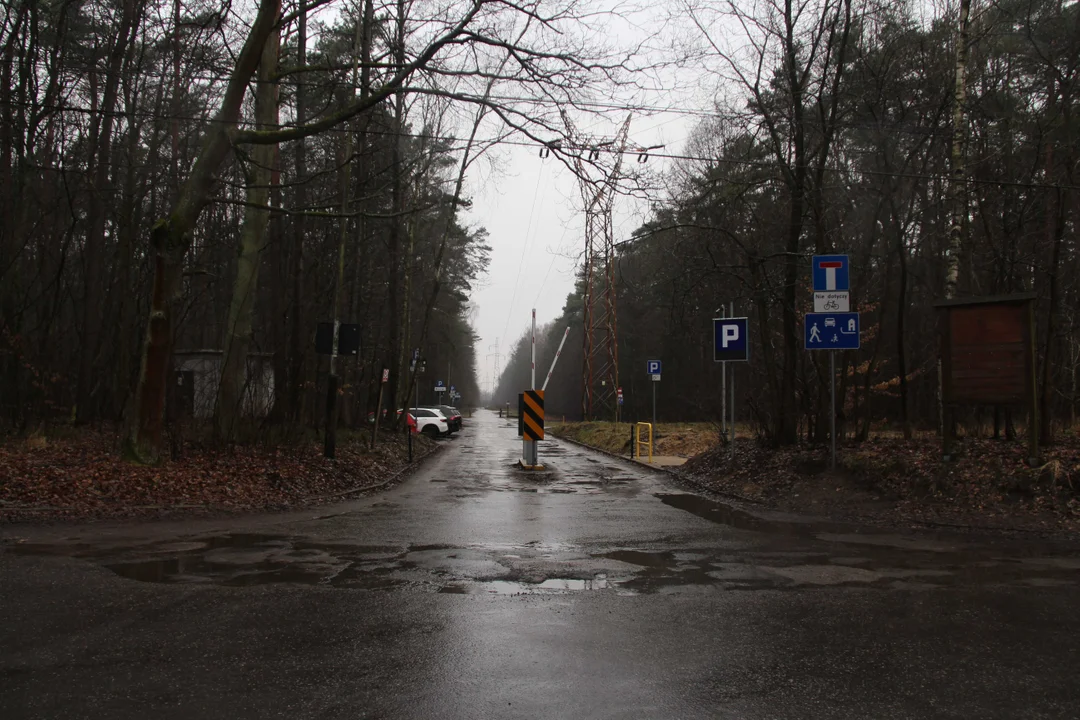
[475,590]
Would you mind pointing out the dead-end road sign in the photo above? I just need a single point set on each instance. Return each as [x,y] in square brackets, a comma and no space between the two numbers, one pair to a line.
[533,417]
[830,273]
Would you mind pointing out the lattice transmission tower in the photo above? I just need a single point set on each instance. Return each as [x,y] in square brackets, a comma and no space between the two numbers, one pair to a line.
[600,367]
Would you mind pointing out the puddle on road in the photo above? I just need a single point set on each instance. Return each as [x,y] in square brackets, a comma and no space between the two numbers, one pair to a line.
[724,514]
[454,590]
[644,559]
[250,559]
[247,559]
[198,569]
[549,586]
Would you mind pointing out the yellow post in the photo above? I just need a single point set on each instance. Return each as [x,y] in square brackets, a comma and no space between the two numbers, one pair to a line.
[641,442]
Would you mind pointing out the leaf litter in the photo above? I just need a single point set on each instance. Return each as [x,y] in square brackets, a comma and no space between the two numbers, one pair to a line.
[84,475]
[906,482]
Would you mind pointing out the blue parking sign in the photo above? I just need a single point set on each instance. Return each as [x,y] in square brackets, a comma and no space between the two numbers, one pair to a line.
[652,367]
[831,331]
[731,341]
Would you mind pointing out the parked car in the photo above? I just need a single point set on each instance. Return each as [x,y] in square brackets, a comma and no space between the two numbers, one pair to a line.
[452,415]
[430,422]
[453,418]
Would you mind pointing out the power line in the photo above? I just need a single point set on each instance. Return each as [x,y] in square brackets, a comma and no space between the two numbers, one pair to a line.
[554,257]
[682,111]
[524,251]
[563,148]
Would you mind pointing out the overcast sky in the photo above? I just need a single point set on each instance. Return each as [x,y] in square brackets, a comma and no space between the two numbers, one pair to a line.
[532,211]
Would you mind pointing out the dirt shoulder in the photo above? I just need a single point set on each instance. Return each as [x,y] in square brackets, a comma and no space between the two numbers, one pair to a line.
[679,439]
[884,481]
[82,476]
[905,482]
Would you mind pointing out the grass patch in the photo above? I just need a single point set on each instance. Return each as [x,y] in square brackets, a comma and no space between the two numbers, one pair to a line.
[682,439]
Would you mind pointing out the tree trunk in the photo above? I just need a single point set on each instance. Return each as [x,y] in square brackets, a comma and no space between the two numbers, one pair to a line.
[361,257]
[296,256]
[1055,229]
[958,174]
[101,197]
[252,241]
[786,432]
[170,239]
[901,315]
[394,299]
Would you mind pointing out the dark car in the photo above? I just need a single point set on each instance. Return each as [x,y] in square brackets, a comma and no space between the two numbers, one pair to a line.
[453,417]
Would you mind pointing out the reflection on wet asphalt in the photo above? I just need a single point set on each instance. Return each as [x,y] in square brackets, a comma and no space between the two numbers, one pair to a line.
[745,551]
[615,554]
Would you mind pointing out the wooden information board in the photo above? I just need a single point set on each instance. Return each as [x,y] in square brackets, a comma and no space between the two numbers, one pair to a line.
[988,357]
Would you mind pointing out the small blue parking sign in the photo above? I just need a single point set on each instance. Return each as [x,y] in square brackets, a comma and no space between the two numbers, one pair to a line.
[731,341]
[652,367]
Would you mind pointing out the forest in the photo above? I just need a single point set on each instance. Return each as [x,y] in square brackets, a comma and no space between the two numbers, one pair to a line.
[854,128]
[190,189]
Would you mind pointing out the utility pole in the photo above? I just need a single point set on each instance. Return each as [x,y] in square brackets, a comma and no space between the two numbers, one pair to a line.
[494,353]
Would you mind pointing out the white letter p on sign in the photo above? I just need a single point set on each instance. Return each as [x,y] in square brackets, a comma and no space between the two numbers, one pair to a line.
[731,334]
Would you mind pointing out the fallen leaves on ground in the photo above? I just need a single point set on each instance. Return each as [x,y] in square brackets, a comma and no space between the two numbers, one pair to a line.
[902,481]
[85,475]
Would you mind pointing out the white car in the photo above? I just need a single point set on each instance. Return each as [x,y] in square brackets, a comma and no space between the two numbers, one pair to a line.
[430,422]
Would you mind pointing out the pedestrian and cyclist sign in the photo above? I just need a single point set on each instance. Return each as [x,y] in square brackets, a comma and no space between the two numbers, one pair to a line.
[832,331]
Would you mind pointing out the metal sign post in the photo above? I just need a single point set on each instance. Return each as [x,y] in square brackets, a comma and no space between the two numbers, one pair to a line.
[653,368]
[723,390]
[832,392]
[832,332]
[378,406]
[831,327]
[746,353]
[731,343]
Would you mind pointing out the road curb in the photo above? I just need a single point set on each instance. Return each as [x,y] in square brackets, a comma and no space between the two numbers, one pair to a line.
[682,477]
[400,474]
[855,522]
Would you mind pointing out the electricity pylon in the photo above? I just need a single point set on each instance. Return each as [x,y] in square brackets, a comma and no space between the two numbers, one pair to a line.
[600,366]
